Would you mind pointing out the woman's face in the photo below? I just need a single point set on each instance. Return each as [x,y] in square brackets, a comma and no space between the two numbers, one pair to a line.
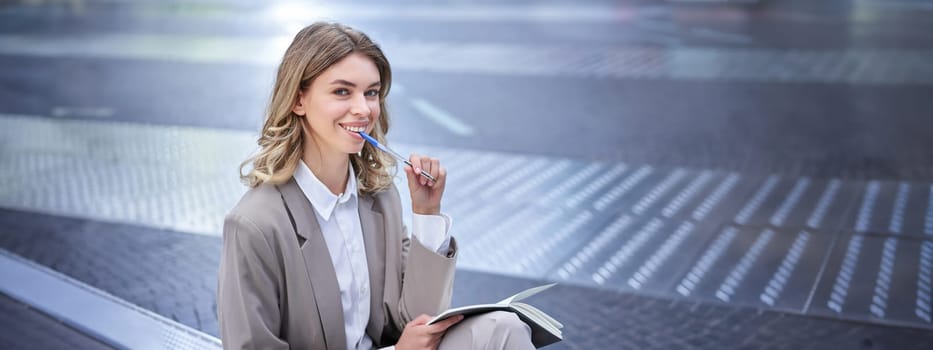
[342,100]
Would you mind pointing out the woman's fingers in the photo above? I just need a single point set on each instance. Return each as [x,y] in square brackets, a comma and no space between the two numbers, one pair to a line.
[418,321]
[430,166]
[418,335]
[441,178]
[413,171]
[435,169]
[441,326]
[426,166]
[418,165]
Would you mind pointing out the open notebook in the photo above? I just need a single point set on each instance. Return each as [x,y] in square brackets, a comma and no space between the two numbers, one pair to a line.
[544,328]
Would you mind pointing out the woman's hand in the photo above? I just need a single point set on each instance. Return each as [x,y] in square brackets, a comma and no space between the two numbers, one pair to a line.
[425,194]
[419,335]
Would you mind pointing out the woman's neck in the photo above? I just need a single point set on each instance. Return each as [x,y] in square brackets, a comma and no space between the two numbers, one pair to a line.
[331,169]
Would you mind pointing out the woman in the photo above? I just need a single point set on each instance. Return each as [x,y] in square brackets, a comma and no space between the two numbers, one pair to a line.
[315,255]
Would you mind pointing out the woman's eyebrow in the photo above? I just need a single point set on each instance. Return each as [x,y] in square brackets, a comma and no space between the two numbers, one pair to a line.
[347,83]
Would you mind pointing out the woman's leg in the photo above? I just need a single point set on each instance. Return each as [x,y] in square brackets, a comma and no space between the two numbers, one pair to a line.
[498,330]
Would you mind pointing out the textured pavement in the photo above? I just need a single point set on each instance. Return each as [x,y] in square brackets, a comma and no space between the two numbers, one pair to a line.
[170,273]
[174,274]
[27,328]
[715,175]
[836,247]
[837,89]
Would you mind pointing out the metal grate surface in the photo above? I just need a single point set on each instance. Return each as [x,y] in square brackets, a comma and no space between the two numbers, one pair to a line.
[853,249]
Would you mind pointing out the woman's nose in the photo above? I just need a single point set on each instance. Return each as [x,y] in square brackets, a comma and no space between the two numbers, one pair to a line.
[360,106]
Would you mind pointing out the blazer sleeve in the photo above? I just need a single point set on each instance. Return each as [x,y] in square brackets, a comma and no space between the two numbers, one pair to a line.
[248,288]
[427,279]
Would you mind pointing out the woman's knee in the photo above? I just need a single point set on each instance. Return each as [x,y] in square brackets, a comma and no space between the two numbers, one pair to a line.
[498,330]
[508,322]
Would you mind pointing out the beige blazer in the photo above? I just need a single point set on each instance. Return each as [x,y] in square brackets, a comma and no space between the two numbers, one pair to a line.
[277,286]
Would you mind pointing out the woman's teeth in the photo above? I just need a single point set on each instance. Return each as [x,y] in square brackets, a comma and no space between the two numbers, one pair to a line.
[354,128]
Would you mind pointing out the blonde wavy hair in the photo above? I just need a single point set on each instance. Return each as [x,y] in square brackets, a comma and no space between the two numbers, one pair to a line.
[314,49]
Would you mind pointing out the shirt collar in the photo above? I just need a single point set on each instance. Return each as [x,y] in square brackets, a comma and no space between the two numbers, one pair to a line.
[323,201]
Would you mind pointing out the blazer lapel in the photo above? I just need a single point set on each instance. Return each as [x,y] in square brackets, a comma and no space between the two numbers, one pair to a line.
[374,242]
[320,268]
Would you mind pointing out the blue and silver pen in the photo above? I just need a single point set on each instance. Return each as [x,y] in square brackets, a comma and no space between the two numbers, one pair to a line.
[388,150]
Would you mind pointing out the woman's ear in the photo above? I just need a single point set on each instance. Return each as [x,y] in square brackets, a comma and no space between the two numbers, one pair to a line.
[299,107]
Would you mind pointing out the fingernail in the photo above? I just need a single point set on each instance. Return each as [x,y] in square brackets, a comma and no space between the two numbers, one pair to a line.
[417,170]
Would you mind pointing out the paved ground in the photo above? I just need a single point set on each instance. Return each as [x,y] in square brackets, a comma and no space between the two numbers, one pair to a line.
[828,90]
[174,274]
[712,175]
[831,247]
[26,328]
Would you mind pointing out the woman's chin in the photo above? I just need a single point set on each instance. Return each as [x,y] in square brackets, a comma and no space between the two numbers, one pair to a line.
[354,149]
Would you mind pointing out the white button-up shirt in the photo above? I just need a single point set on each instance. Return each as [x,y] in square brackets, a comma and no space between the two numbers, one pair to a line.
[339,219]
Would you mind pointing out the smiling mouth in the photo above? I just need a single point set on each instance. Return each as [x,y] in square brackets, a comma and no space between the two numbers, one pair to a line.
[353,129]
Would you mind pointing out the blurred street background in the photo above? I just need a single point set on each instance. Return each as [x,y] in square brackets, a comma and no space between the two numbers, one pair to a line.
[698,174]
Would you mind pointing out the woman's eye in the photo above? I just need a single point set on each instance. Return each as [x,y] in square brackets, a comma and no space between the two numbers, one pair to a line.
[342,92]
[372,93]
